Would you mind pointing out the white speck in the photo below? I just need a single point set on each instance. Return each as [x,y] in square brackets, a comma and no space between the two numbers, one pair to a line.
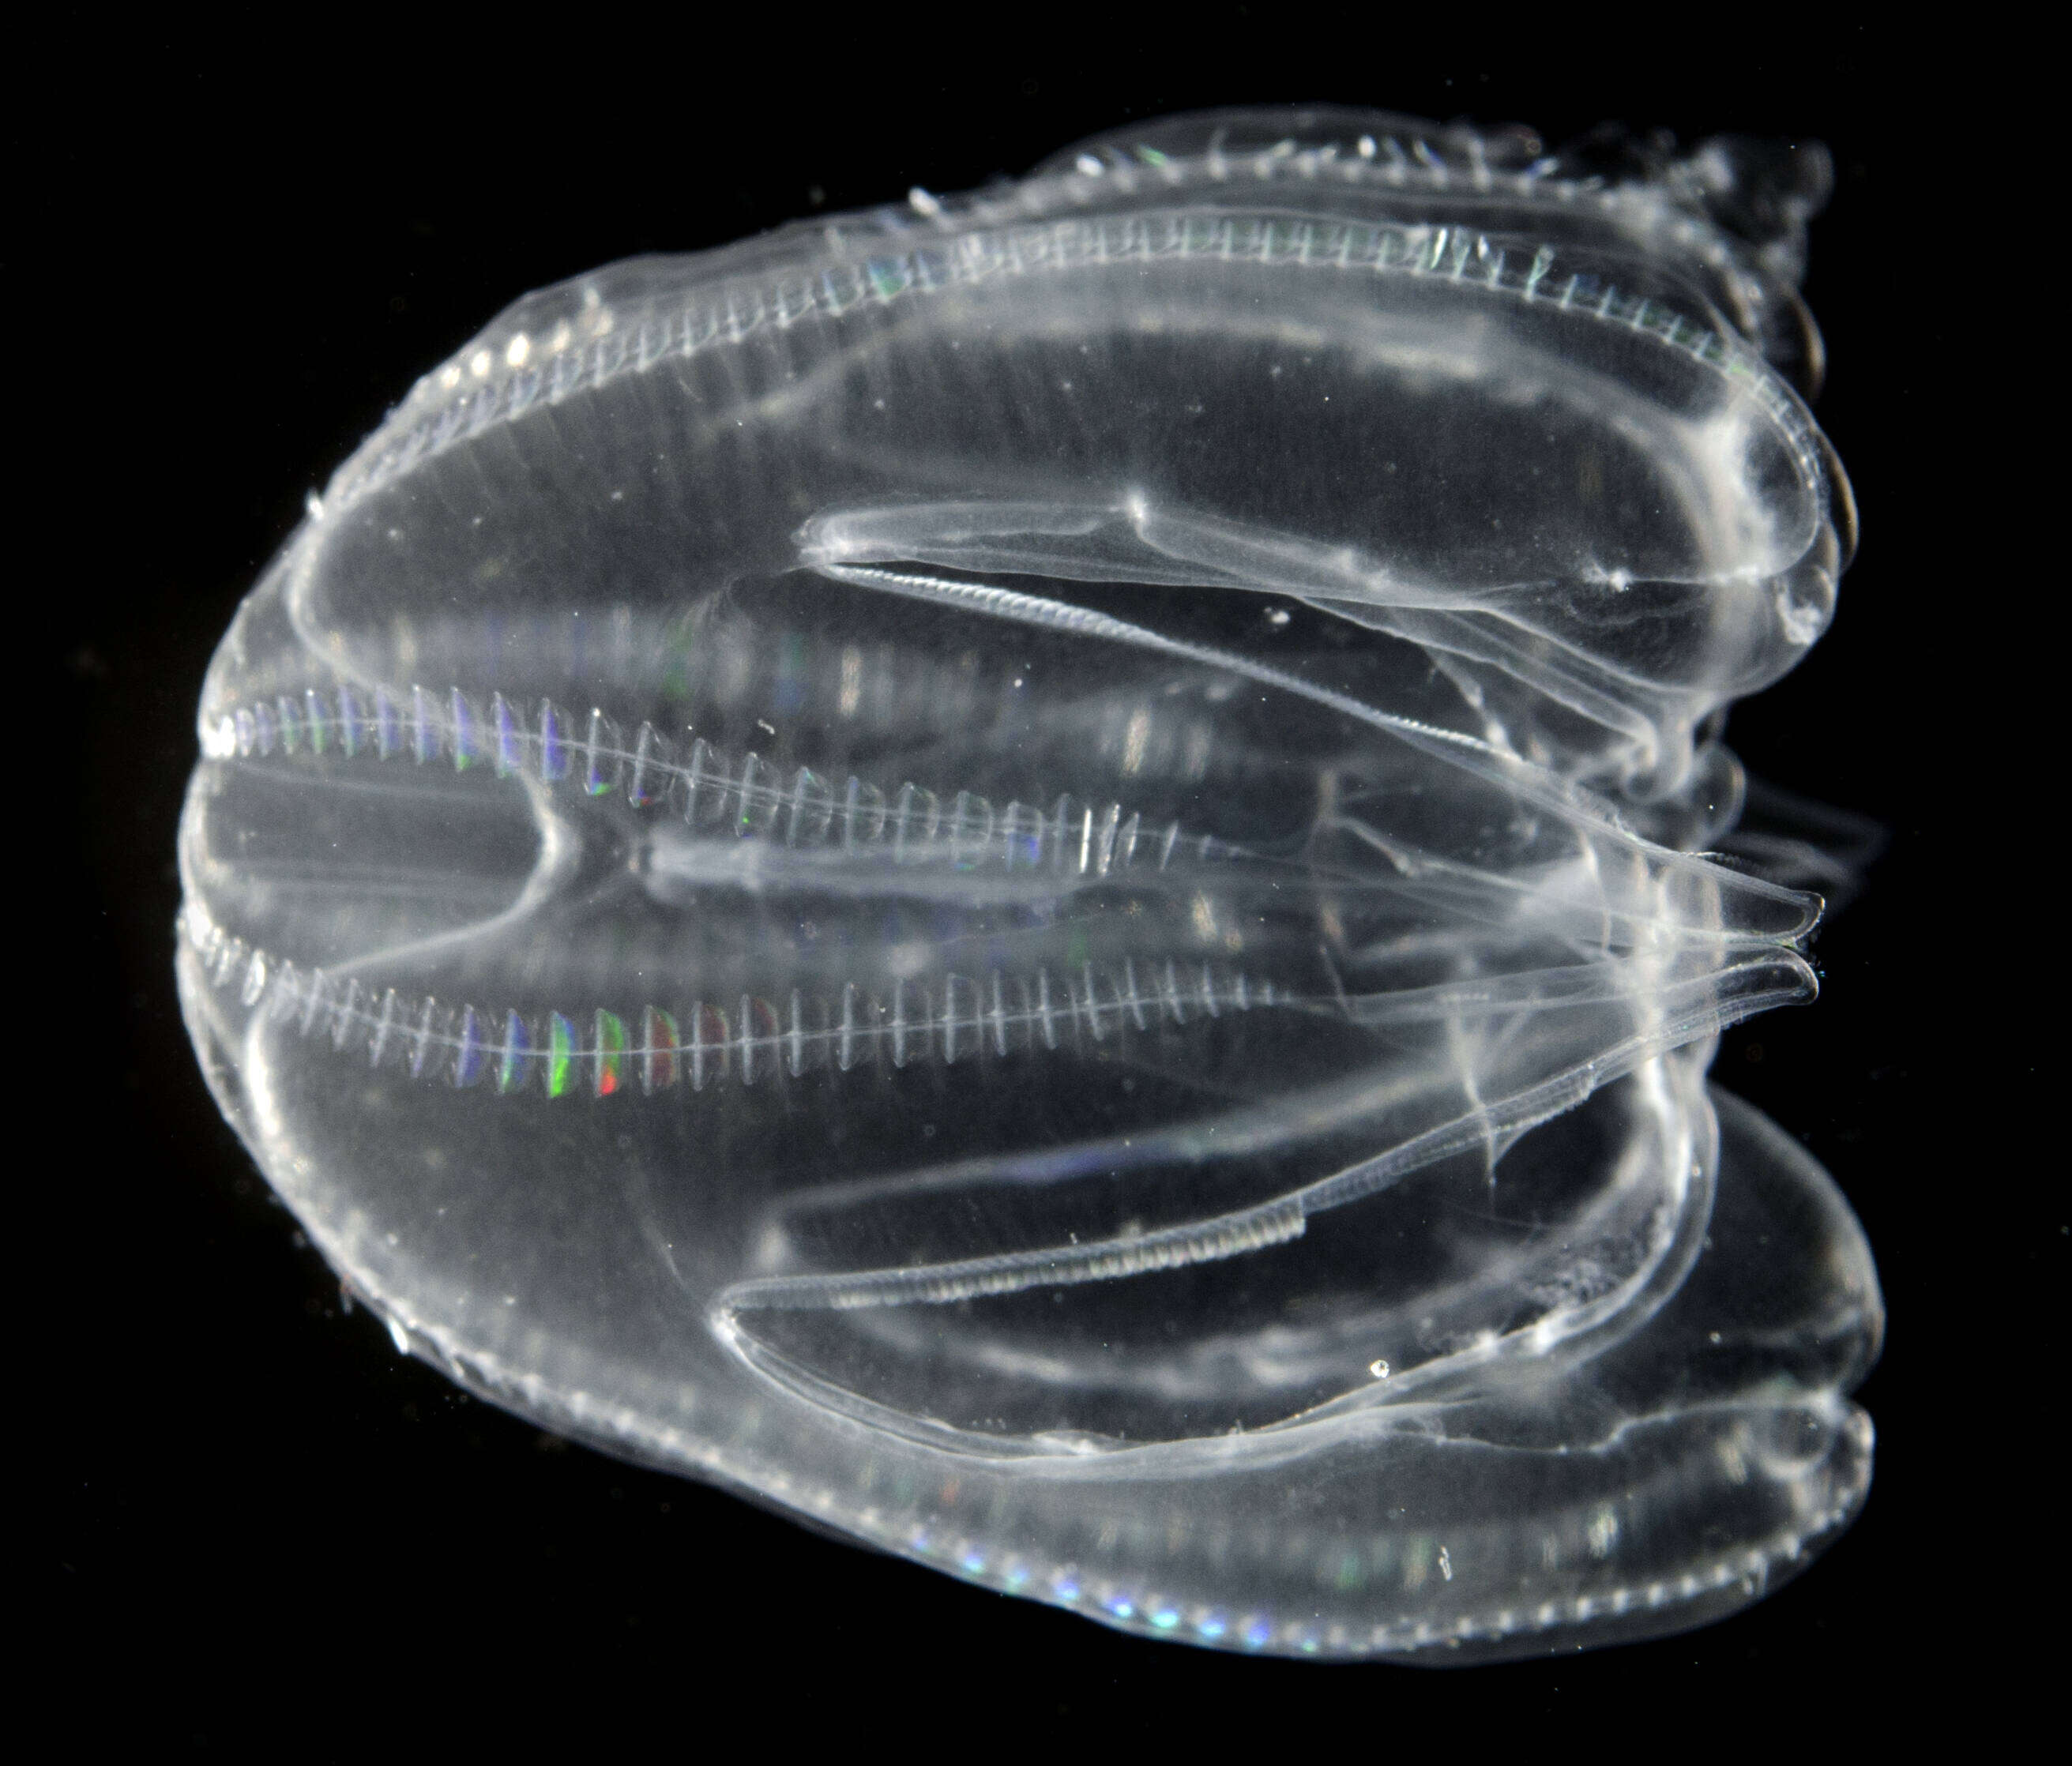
[313,505]
[923,203]
[515,352]
[763,723]
[400,1338]
[1378,1369]
[1366,146]
[1087,164]
[1276,616]
[1445,1564]
[479,364]
[450,377]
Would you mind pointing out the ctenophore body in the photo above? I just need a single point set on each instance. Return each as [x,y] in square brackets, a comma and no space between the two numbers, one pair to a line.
[1040,875]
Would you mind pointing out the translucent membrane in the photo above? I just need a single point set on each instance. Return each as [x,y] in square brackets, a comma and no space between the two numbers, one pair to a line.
[1025,874]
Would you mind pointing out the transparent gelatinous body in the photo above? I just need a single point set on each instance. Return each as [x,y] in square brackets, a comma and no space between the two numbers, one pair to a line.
[1025,875]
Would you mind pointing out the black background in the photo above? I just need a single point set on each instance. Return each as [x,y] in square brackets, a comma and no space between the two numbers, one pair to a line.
[241,251]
